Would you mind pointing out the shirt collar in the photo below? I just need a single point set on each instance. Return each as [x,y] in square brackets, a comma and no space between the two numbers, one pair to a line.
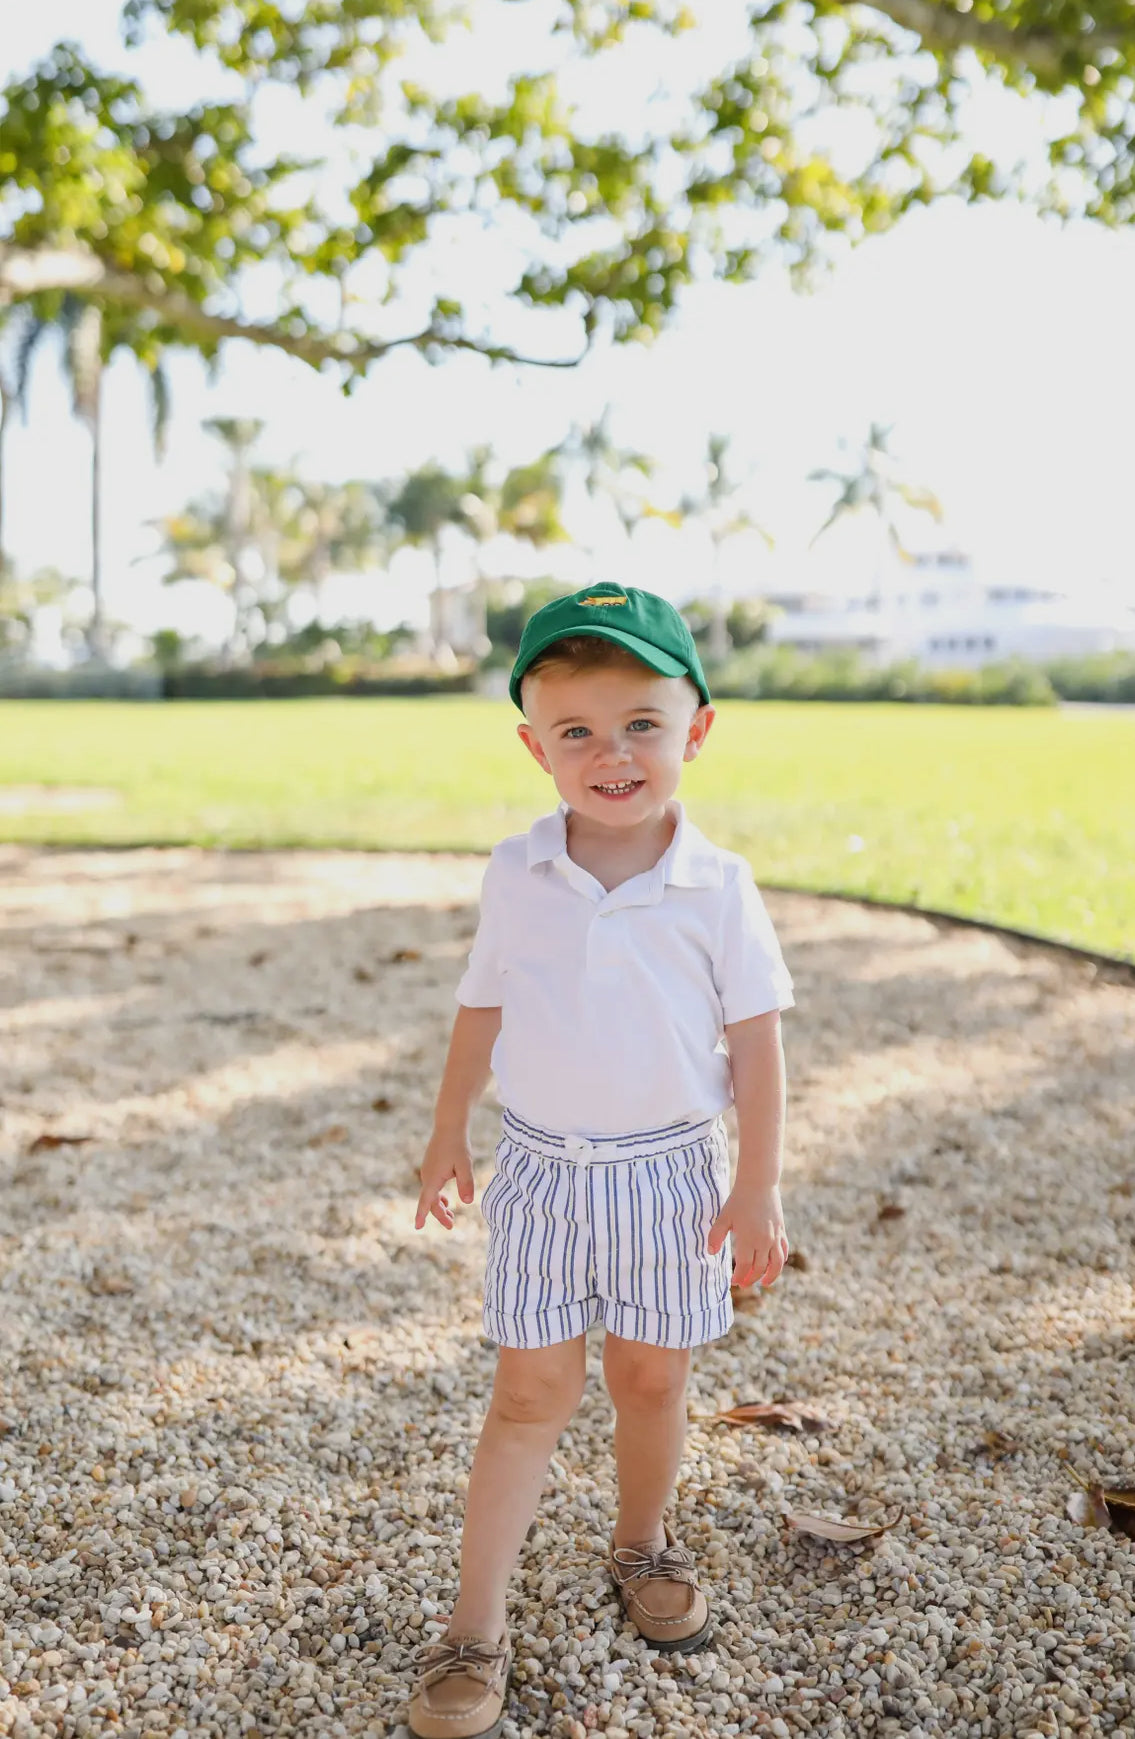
[689,861]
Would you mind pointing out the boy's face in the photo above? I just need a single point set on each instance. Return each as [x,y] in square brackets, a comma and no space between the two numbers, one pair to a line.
[614,738]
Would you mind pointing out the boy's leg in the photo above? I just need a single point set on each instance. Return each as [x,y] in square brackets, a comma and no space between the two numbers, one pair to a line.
[535,1393]
[647,1385]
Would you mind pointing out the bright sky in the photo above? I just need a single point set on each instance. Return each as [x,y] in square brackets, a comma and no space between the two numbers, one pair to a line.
[981,334]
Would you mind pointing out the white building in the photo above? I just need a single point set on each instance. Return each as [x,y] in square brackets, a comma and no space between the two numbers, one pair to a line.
[934,608]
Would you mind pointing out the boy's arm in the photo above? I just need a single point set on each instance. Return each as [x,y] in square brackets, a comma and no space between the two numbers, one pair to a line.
[756,1056]
[753,1212]
[464,1078]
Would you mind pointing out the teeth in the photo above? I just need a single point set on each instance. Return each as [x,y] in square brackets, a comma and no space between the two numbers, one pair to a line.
[624,785]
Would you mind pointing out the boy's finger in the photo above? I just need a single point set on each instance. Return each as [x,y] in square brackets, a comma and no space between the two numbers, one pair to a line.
[718,1233]
[428,1203]
[443,1213]
[465,1183]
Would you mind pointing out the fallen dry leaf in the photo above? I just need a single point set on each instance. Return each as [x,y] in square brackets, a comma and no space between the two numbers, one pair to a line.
[994,1443]
[335,1132]
[43,1143]
[793,1414]
[109,1285]
[1089,1508]
[825,1528]
[796,1259]
[890,1211]
[362,976]
[259,957]
[1101,1506]
[402,954]
[382,1103]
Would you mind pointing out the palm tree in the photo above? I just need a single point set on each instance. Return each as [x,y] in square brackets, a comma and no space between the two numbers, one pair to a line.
[425,502]
[716,508]
[603,469]
[10,321]
[875,487]
[238,435]
[90,339]
[269,536]
[323,529]
[524,504]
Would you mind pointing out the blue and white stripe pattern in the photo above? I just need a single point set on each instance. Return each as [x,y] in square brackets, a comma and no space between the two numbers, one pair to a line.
[610,1229]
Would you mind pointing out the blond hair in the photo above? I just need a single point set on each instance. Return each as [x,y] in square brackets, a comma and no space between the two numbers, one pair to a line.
[576,652]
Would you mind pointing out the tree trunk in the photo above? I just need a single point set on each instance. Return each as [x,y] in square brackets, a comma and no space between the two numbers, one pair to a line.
[5,412]
[238,519]
[96,629]
[443,653]
[719,644]
[479,643]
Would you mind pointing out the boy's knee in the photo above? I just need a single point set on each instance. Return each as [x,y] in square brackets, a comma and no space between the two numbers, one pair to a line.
[534,1390]
[646,1377]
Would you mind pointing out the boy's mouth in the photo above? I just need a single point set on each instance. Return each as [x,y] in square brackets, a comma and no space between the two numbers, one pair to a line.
[619,789]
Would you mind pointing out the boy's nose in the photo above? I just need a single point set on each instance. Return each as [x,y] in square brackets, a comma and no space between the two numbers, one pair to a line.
[613,751]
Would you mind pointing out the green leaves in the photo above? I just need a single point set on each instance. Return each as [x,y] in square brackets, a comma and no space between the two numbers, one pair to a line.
[159,216]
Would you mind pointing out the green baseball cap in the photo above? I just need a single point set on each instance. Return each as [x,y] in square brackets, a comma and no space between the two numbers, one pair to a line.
[642,622]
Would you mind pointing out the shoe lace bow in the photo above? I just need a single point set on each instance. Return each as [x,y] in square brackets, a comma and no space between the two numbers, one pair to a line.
[673,1562]
[438,1660]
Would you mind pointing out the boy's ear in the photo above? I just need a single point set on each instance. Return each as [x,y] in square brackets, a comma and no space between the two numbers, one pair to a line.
[698,732]
[532,743]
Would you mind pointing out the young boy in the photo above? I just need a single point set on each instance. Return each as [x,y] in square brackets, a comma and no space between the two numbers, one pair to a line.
[617,948]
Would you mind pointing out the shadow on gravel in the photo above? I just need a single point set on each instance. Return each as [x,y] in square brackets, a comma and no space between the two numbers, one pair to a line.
[233,1374]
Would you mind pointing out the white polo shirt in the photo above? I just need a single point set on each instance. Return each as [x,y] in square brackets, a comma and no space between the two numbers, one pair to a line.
[614,1004]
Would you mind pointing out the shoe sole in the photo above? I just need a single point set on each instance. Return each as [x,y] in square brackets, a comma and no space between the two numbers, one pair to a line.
[681,1644]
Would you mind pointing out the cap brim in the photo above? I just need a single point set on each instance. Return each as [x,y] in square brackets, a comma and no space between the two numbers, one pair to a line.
[658,661]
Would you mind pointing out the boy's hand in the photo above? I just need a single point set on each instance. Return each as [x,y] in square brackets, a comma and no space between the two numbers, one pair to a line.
[760,1244]
[447,1156]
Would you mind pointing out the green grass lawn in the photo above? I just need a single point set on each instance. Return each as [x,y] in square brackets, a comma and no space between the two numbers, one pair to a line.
[1022,816]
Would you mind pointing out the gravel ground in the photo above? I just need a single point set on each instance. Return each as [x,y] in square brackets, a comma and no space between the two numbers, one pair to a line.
[240,1394]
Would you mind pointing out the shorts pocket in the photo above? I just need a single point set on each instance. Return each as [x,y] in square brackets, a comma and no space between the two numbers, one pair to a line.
[719,1169]
[490,1189]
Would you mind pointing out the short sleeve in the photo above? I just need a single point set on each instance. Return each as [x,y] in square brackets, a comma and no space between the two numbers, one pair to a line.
[748,969]
[481,983]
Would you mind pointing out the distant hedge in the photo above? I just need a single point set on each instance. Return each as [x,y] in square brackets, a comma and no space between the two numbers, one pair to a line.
[84,682]
[781,673]
[1108,676]
[758,672]
[199,682]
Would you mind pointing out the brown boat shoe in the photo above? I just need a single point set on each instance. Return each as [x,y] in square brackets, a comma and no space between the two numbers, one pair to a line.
[660,1595]
[462,1685]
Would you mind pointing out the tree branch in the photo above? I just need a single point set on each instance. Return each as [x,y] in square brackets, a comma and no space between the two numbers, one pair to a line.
[27,271]
[943,28]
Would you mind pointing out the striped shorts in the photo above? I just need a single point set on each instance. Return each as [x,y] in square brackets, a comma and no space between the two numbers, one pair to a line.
[611,1229]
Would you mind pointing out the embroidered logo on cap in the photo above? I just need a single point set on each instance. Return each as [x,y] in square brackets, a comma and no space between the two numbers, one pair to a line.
[604,600]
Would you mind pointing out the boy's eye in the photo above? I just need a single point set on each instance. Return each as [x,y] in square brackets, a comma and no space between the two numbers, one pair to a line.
[635,724]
